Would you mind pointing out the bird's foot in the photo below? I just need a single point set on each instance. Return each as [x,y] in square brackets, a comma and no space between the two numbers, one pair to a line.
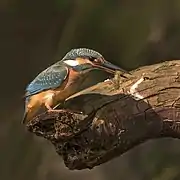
[50,109]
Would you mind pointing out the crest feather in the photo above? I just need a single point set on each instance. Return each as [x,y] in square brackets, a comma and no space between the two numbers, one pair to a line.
[82,52]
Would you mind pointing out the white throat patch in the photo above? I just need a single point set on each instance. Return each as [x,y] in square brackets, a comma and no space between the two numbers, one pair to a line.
[71,62]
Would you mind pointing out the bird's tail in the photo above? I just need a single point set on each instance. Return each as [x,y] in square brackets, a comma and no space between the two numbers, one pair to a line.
[29,111]
[26,110]
[28,115]
[24,119]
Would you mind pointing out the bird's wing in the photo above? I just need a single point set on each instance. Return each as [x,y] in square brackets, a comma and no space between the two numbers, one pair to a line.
[50,78]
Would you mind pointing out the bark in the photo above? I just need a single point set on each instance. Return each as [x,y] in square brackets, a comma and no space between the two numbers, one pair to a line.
[117,115]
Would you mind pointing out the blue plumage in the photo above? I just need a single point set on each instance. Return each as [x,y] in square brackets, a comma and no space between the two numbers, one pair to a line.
[50,78]
[54,76]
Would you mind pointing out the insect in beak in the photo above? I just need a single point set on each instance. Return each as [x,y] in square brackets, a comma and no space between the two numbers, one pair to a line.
[109,67]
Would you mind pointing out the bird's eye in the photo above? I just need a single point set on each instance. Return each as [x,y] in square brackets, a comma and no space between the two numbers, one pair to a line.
[95,60]
[91,58]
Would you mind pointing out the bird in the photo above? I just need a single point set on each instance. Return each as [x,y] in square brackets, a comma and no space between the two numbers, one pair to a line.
[63,79]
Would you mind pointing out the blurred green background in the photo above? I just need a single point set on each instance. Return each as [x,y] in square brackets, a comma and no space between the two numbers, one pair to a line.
[35,33]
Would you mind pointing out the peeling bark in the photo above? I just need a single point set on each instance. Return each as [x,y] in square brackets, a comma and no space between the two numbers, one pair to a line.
[118,114]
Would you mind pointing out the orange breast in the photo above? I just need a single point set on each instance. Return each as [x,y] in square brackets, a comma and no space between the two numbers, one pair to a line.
[69,86]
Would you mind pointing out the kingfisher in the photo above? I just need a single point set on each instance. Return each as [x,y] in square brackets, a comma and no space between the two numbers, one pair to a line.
[63,79]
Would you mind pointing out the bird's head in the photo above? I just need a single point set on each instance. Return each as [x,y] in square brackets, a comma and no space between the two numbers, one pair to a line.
[84,59]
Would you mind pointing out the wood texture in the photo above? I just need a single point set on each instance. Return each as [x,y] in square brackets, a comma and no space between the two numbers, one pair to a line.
[118,114]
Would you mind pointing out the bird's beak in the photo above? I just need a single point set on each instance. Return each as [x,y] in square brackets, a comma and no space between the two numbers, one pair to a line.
[109,67]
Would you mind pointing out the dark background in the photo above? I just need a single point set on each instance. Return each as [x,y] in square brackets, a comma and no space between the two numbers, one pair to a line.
[35,33]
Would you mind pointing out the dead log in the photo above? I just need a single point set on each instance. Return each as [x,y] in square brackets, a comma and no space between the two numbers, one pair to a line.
[118,114]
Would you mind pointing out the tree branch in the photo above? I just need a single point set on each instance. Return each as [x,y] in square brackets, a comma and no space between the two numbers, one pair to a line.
[118,114]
